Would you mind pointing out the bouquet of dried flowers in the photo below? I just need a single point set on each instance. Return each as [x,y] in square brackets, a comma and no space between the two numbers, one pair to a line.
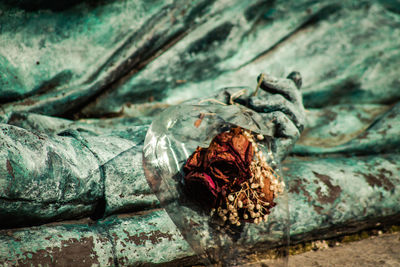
[232,179]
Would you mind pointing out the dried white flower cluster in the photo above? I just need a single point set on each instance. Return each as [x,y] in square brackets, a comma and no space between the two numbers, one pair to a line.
[252,203]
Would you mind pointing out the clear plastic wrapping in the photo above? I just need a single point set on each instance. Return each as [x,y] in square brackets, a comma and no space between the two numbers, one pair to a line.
[172,137]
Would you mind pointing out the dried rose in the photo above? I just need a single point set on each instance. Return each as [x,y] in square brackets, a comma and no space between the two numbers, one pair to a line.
[230,176]
[197,182]
[229,156]
[211,170]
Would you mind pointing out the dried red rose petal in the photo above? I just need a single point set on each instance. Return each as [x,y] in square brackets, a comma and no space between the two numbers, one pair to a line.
[231,177]
[195,161]
[229,156]
[202,186]
[210,169]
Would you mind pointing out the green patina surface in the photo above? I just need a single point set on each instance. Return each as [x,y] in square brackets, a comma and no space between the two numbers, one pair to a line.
[319,205]
[127,60]
[129,240]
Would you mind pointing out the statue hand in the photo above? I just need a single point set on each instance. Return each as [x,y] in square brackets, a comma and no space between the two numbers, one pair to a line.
[280,104]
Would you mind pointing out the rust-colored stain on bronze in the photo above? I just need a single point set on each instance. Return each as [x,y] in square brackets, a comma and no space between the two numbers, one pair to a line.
[318,209]
[71,252]
[122,261]
[333,190]
[384,131]
[380,179]
[10,168]
[364,135]
[28,102]
[297,185]
[103,239]
[115,237]
[155,237]
[110,261]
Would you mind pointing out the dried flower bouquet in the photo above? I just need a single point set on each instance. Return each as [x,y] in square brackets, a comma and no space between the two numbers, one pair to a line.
[232,179]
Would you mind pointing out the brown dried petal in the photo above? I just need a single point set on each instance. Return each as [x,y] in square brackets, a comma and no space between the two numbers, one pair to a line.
[224,167]
[229,156]
[212,172]
[268,193]
[243,147]
[195,161]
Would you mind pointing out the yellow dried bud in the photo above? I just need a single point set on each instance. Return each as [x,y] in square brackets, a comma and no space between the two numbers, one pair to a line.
[260,137]
[240,204]
[231,198]
[254,186]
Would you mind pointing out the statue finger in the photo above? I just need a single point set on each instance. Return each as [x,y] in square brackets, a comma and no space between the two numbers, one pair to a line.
[288,88]
[276,102]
